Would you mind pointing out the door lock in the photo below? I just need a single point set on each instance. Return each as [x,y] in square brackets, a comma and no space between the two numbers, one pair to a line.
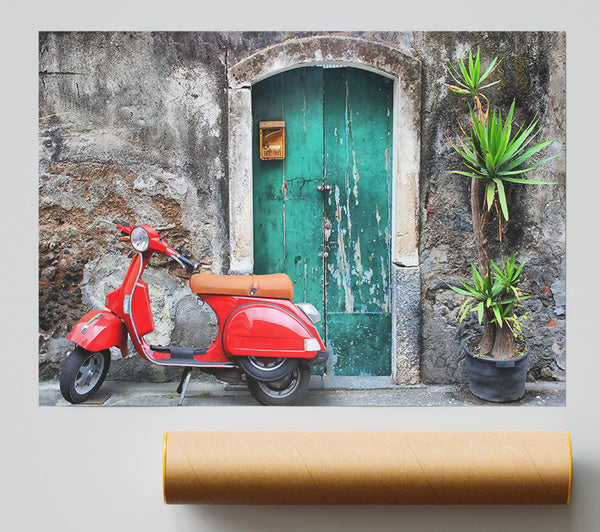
[327,225]
[324,188]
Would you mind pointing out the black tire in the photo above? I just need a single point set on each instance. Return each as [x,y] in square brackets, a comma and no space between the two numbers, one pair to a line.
[83,373]
[267,369]
[286,391]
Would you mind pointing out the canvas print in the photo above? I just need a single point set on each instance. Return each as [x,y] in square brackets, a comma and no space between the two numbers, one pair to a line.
[302,218]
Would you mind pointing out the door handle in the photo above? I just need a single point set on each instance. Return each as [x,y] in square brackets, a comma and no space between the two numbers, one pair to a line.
[324,188]
[323,254]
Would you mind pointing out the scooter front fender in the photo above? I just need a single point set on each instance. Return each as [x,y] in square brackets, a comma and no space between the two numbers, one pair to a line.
[99,330]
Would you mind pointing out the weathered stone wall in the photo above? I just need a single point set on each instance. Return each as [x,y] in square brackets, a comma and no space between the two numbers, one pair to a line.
[134,126]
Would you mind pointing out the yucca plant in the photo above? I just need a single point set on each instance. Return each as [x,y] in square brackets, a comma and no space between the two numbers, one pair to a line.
[494,158]
[495,294]
[492,155]
[469,79]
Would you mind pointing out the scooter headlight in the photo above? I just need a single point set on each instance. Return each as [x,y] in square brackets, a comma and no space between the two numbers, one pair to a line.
[140,239]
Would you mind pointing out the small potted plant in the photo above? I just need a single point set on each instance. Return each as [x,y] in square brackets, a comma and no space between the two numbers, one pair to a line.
[494,158]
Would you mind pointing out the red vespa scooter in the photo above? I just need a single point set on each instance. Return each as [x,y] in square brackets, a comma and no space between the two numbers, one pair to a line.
[262,333]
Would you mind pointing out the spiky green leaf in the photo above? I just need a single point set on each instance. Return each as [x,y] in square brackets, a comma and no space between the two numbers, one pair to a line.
[490,193]
[527,155]
[502,197]
[497,314]
[461,291]
[488,71]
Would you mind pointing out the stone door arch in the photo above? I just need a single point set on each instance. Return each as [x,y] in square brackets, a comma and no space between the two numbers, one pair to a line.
[406,74]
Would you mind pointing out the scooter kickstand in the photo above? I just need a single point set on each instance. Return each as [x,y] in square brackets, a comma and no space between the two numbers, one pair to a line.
[183,384]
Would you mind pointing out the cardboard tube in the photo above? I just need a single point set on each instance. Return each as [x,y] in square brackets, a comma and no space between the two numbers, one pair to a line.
[367,467]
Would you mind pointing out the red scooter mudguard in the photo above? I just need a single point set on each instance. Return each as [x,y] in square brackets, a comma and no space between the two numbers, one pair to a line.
[268,330]
[99,330]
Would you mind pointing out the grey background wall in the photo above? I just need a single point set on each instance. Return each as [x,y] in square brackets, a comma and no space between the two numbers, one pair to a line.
[134,125]
[43,448]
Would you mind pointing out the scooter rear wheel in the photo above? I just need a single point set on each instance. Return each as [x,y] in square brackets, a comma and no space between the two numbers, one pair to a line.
[267,369]
[83,373]
[286,391]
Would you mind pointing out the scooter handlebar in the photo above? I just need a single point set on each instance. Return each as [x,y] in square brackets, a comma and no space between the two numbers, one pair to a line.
[186,261]
[163,247]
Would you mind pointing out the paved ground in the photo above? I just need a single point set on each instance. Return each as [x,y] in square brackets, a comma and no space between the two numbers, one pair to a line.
[328,391]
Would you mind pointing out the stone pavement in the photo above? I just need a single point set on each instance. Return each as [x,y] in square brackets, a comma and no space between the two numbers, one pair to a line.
[324,391]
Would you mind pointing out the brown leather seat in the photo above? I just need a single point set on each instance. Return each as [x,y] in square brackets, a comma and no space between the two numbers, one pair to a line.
[277,285]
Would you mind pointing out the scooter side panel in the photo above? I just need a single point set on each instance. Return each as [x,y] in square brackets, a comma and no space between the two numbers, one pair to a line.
[99,330]
[265,330]
[140,309]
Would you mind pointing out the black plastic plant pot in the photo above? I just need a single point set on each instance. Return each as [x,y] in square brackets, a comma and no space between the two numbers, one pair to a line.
[500,381]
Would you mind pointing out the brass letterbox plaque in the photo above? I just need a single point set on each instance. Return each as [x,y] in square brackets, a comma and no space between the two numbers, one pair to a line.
[272,140]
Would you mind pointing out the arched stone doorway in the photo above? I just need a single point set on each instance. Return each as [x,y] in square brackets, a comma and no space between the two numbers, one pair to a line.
[405,72]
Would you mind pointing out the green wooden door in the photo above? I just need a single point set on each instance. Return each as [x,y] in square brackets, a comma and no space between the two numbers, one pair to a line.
[333,243]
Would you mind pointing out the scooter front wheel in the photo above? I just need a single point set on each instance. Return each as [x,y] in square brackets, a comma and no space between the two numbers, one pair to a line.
[286,391]
[83,373]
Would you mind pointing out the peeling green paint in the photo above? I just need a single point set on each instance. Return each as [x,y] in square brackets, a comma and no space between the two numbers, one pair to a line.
[334,244]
